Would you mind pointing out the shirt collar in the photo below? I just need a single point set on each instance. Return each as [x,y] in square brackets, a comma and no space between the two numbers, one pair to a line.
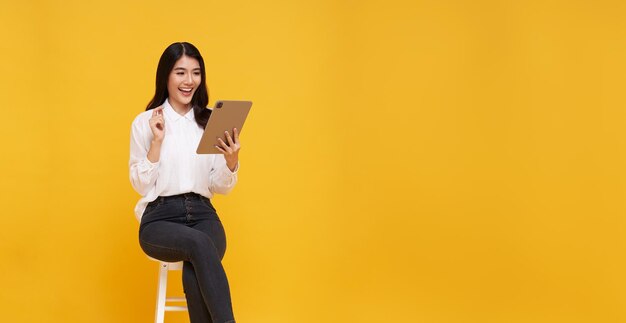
[172,114]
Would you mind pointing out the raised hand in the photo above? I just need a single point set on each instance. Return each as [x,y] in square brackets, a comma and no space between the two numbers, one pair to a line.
[157,124]
[230,149]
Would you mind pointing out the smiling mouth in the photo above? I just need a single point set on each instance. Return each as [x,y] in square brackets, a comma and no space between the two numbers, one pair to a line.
[186,91]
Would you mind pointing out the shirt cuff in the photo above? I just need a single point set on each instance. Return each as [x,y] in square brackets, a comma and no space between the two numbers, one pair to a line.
[151,164]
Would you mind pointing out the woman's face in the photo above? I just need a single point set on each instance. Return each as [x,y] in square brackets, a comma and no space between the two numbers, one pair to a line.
[183,81]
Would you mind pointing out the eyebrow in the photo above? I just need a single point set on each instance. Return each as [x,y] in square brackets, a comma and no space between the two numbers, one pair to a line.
[182,68]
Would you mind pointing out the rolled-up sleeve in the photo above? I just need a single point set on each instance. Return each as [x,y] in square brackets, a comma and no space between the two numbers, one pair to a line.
[143,173]
[221,179]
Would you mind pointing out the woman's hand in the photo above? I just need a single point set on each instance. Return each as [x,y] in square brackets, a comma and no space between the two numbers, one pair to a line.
[157,124]
[230,150]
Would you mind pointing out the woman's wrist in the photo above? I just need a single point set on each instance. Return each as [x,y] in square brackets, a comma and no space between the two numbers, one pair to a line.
[232,165]
[154,153]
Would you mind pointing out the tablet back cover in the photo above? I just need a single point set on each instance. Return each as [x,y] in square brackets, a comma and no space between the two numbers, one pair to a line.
[225,116]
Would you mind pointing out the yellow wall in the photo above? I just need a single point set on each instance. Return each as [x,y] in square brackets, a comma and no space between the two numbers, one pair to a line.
[405,161]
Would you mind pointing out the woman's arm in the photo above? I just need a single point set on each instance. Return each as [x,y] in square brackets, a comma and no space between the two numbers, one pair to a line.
[145,150]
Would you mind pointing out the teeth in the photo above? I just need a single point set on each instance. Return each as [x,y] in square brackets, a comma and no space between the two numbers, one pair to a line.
[185,90]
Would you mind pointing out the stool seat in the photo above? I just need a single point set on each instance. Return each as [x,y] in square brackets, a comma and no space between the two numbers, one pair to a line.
[162,298]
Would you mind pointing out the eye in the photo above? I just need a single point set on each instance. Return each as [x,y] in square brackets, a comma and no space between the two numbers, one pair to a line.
[197,73]
[180,73]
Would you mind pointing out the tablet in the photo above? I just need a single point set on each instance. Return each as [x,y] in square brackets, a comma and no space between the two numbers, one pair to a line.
[225,116]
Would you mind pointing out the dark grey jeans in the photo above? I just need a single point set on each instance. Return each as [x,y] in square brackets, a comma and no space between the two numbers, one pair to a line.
[186,228]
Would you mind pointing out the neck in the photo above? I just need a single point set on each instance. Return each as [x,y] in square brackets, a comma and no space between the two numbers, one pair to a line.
[181,109]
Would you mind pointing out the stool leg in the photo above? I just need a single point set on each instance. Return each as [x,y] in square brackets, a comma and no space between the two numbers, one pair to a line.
[161,294]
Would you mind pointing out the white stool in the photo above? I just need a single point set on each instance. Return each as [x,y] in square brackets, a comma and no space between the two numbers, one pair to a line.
[162,298]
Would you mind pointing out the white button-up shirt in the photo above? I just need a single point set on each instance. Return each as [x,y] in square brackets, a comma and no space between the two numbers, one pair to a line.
[179,169]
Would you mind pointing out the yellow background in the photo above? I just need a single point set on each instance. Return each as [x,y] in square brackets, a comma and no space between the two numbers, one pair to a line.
[404,161]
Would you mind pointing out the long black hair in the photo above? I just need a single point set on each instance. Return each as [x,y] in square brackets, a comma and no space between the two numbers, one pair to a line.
[200,98]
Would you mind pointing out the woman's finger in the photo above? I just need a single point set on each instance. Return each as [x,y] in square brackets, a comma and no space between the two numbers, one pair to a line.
[230,140]
[224,145]
[157,111]
[236,134]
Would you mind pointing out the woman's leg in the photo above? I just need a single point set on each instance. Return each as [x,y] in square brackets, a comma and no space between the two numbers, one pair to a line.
[215,231]
[169,241]
[198,311]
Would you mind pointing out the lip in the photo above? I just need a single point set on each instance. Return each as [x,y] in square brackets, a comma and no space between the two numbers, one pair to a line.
[186,93]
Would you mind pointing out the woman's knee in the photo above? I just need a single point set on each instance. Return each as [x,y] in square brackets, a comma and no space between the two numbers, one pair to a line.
[200,245]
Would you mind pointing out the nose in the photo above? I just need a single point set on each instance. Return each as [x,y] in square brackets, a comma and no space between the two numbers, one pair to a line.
[189,79]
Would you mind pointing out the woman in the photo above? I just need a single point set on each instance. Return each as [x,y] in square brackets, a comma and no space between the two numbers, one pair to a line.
[177,219]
